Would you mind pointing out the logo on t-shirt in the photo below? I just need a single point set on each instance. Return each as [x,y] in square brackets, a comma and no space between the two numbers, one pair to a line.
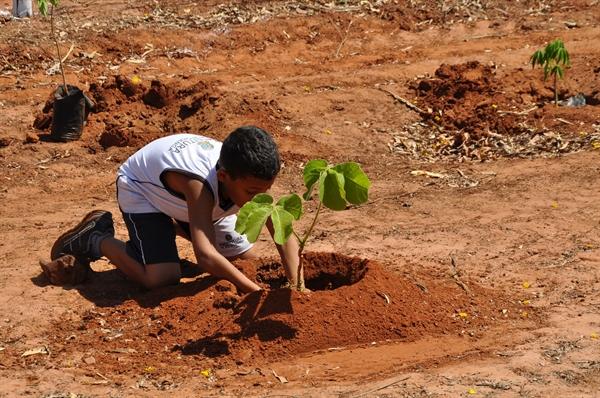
[231,241]
[206,145]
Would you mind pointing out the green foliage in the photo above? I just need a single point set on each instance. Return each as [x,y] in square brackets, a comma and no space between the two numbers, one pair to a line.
[43,5]
[253,216]
[550,59]
[337,186]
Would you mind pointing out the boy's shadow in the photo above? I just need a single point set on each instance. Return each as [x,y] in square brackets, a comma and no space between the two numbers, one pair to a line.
[111,288]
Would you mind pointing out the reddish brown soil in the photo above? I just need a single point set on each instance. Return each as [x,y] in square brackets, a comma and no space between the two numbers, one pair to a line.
[472,269]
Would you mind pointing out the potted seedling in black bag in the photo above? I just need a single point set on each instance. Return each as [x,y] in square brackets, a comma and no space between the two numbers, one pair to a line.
[71,105]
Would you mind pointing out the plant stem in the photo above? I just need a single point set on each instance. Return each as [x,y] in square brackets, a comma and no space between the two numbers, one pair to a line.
[62,70]
[303,243]
[555,92]
[300,265]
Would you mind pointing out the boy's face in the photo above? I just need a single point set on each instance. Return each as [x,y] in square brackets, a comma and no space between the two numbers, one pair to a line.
[241,191]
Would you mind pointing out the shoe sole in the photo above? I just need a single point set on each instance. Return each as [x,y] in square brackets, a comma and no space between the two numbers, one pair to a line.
[88,222]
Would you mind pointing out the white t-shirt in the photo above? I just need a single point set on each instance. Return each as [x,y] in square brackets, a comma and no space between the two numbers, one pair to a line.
[140,185]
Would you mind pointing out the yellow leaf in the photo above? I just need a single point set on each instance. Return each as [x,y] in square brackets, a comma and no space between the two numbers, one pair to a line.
[596,145]
[149,369]
[526,285]
[135,79]
[524,314]
[206,372]
[525,302]
[328,131]
[472,391]
[555,205]
[463,314]
[306,88]
[594,335]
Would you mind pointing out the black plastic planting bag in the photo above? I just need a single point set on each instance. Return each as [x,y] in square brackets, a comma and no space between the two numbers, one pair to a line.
[70,113]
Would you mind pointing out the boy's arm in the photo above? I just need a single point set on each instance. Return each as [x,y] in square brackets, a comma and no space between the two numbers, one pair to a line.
[289,256]
[200,203]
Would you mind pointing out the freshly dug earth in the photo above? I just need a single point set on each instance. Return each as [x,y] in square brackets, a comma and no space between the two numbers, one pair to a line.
[472,269]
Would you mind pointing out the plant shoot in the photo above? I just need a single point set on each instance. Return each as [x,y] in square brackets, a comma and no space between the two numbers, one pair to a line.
[550,59]
[43,7]
[337,186]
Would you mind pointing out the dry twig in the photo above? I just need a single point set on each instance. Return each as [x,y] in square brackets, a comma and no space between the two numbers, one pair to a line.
[403,101]
[381,388]
[344,39]
[454,275]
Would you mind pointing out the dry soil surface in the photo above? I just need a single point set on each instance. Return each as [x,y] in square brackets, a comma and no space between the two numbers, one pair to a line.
[473,269]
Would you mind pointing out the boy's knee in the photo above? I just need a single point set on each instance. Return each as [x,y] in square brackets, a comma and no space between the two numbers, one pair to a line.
[162,275]
[152,284]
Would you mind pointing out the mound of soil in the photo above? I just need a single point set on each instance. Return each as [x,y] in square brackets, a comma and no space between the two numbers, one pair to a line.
[353,302]
[464,98]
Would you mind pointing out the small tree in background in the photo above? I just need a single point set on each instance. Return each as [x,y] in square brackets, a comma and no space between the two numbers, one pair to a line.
[43,7]
[550,59]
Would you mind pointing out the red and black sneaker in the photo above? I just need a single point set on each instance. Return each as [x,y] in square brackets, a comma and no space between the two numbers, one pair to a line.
[77,241]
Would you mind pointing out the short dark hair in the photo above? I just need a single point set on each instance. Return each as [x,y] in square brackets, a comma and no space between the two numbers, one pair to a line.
[250,151]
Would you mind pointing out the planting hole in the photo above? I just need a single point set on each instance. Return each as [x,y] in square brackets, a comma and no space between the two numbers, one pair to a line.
[322,271]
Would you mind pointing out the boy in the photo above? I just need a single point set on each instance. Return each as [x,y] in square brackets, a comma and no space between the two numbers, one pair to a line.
[185,185]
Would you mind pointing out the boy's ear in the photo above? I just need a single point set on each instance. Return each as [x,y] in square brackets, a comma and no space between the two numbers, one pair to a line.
[223,176]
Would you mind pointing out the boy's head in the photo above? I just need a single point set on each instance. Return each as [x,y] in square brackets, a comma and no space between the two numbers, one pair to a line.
[249,163]
[250,151]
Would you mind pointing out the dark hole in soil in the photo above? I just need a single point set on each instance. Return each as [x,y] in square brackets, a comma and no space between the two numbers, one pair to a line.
[322,271]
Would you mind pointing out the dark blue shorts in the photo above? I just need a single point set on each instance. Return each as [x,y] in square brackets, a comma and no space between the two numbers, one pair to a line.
[152,237]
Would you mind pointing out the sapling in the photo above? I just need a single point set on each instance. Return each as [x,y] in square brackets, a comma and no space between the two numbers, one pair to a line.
[43,7]
[550,59]
[337,186]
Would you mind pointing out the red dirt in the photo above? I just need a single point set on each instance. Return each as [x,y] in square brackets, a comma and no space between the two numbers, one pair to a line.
[437,102]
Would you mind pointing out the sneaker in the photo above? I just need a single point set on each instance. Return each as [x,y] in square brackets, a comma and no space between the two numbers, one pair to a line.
[77,241]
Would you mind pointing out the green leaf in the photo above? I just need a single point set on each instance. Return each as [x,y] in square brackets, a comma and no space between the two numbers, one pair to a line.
[43,7]
[558,71]
[562,56]
[292,204]
[255,222]
[538,57]
[331,190]
[263,198]
[356,183]
[253,215]
[546,71]
[312,173]
[283,225]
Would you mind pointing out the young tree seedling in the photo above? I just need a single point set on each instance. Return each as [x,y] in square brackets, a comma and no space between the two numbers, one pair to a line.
[550,59]
[337,186]
[43,7]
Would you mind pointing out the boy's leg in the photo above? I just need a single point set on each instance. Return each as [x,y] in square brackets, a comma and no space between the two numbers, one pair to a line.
[83,240]
[152,276]
[150,256]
